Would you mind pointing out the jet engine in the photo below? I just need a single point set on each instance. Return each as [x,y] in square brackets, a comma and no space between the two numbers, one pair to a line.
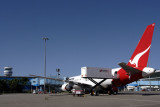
[66,87]
[147,71]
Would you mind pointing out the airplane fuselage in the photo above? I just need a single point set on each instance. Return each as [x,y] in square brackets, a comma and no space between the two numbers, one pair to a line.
[123,79]
[134,70]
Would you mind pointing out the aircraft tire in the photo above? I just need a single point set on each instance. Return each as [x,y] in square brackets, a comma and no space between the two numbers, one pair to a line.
[97,93]
[109,92]
[115,92]
[92,93]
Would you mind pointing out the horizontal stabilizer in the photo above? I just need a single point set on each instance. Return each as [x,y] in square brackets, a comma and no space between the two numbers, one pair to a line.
[130,70]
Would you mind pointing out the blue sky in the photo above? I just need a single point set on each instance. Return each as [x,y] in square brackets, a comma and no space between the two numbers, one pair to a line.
[95,33]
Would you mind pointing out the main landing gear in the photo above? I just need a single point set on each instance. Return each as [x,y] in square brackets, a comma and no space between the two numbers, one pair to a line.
[95,93]
[110,90]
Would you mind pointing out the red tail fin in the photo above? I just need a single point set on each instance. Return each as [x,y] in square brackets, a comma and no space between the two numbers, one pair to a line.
[141,53]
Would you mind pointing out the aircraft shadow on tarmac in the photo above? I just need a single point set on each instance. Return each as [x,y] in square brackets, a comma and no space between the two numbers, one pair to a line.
[139,93]
[146,93]
[61,94]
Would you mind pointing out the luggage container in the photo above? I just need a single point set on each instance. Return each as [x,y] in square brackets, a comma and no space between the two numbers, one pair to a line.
[94,72]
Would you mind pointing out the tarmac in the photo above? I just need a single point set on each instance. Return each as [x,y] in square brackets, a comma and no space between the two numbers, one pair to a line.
[123,99]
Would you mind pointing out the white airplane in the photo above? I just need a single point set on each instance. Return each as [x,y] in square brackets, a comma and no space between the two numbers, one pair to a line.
[134,70]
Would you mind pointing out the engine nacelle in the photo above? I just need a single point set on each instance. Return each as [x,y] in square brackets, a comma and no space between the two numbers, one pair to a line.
[66,87]
[147,71]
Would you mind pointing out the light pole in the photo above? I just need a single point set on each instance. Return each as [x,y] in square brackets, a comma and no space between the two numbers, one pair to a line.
[58,70]
[45,39]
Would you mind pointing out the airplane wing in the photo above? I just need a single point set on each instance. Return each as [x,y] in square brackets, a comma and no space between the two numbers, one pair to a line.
[130,70]
[67,80]
[84,86]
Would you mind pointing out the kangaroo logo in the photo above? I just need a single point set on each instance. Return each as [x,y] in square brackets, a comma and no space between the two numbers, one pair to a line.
[137,57]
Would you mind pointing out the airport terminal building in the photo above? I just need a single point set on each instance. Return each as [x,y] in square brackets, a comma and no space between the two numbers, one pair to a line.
[36,83]
[29,83]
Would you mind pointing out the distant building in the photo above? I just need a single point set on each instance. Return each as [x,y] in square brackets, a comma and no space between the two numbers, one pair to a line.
[146,84]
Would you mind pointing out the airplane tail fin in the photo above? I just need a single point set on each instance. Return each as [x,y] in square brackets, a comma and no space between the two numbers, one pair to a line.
[141,53]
